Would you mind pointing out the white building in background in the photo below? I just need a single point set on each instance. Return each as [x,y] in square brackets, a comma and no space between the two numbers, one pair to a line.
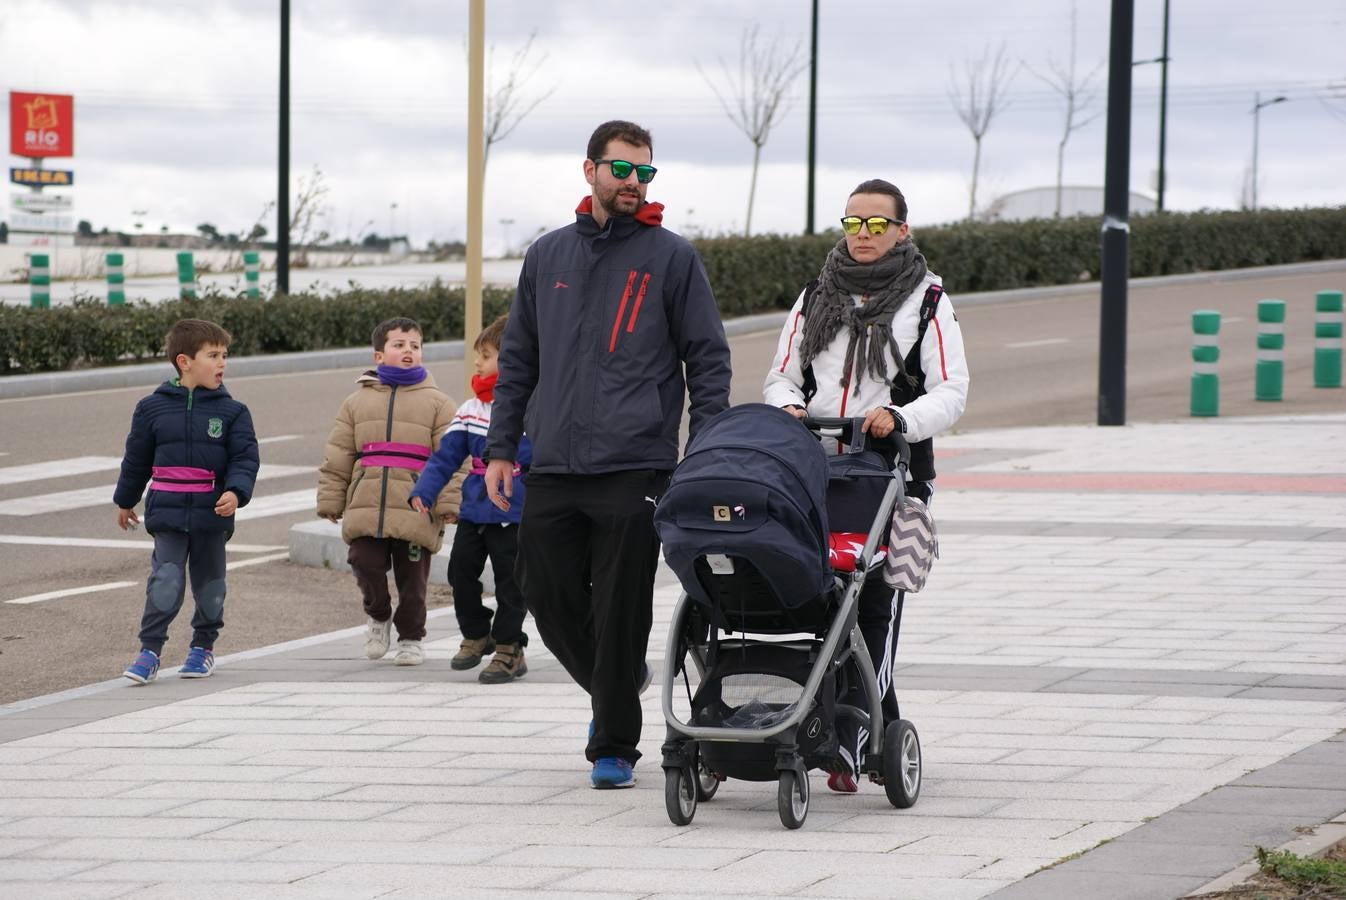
[1040,203]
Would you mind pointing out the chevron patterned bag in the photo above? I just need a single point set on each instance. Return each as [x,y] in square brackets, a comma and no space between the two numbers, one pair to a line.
[913,546]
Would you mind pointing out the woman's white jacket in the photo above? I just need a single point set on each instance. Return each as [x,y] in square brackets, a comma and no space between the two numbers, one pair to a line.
[942,358]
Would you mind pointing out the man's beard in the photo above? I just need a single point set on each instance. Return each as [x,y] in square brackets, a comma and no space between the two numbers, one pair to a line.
[611,203]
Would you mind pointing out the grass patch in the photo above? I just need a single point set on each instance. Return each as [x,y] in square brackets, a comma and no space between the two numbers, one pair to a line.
[1304,872]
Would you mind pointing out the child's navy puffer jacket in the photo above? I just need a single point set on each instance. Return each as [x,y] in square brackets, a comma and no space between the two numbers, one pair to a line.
[189,446]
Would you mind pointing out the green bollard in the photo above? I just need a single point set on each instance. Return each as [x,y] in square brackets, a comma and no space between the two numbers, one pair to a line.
[39,281]
[186,275]
[1205,355]
[1270,374]
[252,272]
[116,280]
[1327,340]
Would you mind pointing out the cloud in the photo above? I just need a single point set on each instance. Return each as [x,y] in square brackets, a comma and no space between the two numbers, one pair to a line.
[176,105]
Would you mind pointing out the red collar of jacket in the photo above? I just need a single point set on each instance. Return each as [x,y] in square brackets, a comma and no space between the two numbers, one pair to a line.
[647,214]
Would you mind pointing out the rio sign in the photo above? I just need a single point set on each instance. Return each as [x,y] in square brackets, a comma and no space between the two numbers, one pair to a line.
[41,124]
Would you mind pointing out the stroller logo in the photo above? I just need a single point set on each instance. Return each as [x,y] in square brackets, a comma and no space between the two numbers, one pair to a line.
[741,511]
[720,513]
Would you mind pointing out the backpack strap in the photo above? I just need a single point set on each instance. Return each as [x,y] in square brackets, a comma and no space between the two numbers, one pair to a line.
[810,385]
[928,304]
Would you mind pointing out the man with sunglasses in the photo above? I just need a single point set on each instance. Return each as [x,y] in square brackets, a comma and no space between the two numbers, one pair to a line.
[874,336]
[612,323]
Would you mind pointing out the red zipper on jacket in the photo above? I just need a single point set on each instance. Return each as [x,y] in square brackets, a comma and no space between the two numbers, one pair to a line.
[621,310]
[640,297]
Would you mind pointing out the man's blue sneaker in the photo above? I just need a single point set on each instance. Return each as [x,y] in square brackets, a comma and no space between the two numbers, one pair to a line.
[612,772]
[198,664]
[143,670]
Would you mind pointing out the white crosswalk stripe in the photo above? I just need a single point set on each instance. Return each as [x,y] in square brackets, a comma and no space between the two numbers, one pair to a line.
[83,465]
[59,468]
[139,545]
[82,498]
[279,504]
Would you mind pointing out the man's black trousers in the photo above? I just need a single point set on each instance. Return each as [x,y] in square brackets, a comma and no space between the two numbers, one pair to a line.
[587,558]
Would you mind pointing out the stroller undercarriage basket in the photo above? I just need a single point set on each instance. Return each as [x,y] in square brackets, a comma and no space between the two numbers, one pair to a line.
[759,685]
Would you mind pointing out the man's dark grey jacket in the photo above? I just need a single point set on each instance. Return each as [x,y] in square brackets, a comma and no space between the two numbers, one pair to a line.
[604,322]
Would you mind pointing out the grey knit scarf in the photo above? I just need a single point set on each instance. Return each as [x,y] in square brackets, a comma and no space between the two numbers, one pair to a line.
[887,281]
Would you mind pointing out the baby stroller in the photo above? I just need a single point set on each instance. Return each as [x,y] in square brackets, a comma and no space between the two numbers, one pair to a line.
[766,626]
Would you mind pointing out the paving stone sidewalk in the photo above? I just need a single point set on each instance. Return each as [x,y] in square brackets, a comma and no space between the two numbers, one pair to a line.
[1129,666]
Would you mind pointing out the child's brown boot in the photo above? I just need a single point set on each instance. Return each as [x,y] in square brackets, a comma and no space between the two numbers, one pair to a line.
[507,665]
[471,651]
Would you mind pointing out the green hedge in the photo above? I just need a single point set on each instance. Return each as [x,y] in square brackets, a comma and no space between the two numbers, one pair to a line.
[91,333]
[749,275]
[759,273]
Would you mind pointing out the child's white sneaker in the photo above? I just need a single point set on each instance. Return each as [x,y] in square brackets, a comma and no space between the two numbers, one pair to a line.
[409,653]
[376,643]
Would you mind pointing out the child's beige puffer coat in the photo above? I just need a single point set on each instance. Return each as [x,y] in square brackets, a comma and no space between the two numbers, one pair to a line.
[385,423]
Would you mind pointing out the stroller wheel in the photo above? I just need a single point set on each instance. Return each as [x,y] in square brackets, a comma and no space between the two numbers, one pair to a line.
[901,764]
[680,792]
[792,798]
[706,782]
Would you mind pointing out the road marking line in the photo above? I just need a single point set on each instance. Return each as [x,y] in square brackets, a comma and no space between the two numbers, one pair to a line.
[59,468]
[71,592]
[257,560]
[33,540]
[82,498]
[115,585]
[279,505]
[276,439]
[1041,343]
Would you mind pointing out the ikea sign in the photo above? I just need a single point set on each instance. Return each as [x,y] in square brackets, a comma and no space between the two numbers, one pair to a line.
[42,177]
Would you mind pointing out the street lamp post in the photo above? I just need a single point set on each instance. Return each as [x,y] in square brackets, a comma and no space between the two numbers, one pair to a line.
[1163,112]
[1163,60]
[1258,103]
[140,215]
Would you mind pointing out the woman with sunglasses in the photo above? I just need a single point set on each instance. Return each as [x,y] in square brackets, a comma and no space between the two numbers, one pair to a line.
[874,336]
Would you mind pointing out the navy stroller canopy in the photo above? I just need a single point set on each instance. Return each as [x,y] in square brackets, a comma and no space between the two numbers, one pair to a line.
[752,486]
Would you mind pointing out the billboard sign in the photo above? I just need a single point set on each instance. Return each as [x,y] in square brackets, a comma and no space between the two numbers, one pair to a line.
[42,177]
[40,222]
[41,202]
[41,124]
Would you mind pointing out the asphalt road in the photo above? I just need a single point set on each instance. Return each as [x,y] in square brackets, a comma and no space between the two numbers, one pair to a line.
[1033,362]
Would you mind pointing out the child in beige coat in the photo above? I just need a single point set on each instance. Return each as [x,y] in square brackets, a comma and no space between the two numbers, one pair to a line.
[383,435]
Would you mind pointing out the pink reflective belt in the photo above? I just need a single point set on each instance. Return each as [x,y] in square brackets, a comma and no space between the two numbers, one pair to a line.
[182,480]
[394,455]
[479,467]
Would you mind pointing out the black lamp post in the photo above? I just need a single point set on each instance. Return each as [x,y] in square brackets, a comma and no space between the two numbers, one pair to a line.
[1258,103]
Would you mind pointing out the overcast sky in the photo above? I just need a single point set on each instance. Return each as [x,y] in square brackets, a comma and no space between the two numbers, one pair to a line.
[175,105]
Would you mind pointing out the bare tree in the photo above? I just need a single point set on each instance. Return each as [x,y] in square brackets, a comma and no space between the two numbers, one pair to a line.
[1078,95]
[508,105]
[756,96]
[308,208]
[976,98]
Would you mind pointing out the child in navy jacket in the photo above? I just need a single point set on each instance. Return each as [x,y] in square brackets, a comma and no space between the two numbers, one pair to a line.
[195,447]
[483,530]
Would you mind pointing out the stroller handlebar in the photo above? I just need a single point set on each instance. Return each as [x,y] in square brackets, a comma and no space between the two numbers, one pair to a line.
[893,446]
